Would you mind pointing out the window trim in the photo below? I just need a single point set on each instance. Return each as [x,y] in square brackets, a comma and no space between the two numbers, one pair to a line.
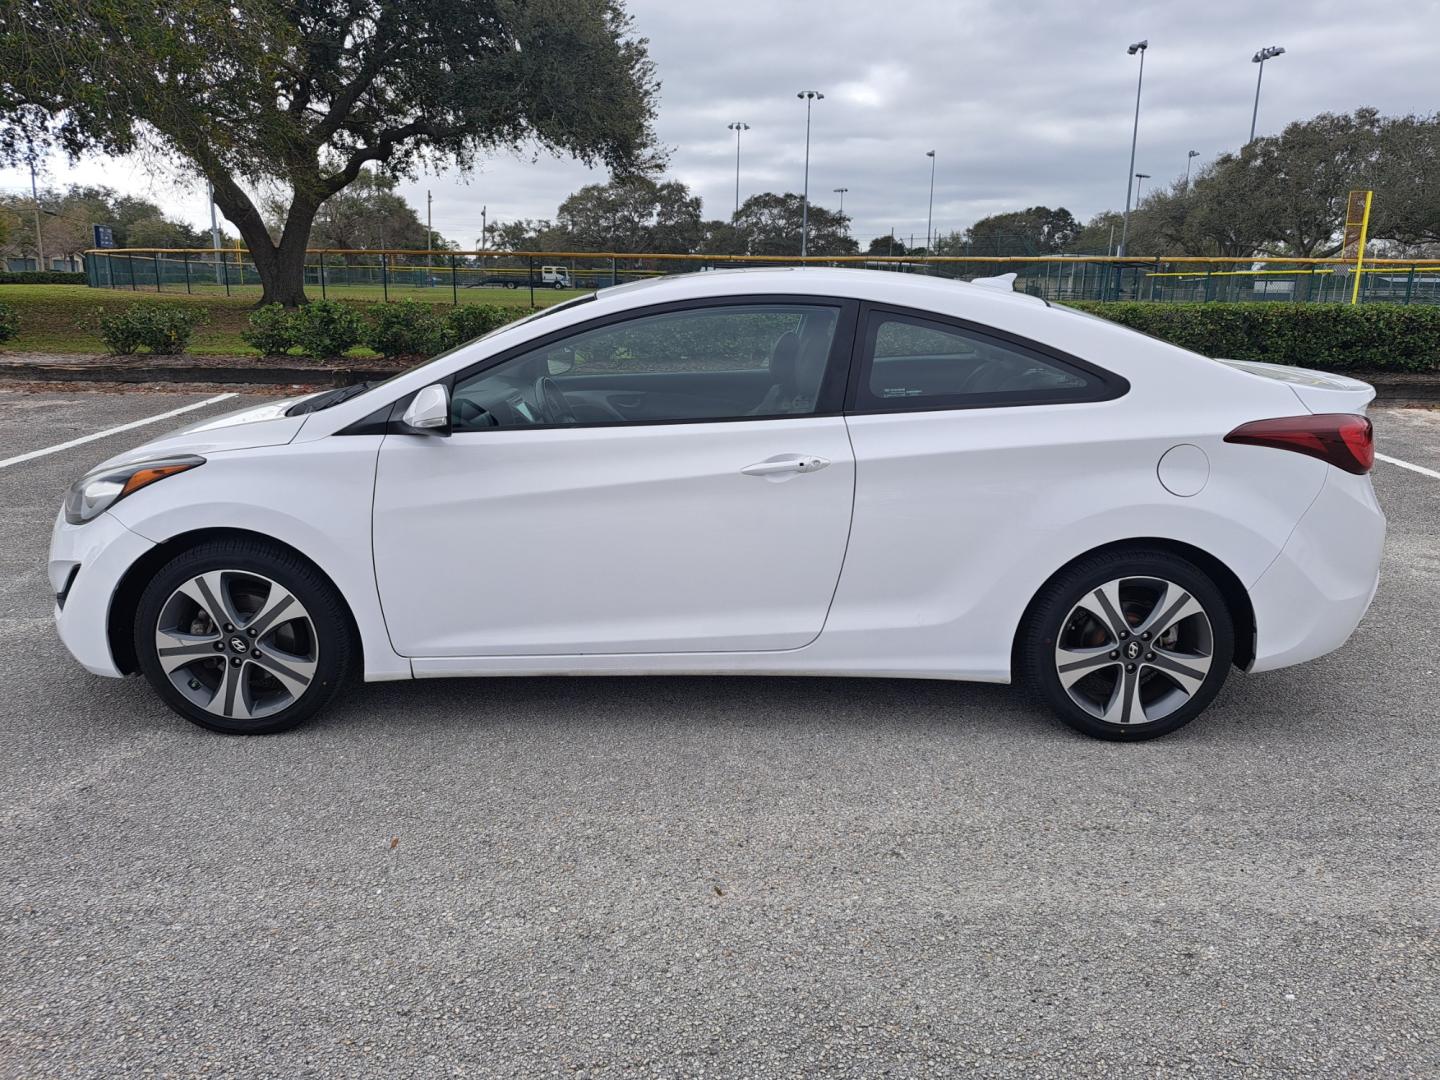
[830,402]
[1103,385]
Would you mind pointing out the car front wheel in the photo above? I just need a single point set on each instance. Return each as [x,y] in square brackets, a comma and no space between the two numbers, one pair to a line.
[243,637]
[1128,645]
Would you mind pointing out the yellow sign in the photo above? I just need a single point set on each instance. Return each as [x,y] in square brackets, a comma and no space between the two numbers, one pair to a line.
[1357,225]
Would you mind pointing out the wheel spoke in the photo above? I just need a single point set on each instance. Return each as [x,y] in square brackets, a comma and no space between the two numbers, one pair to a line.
[1074,664]
[1174,606]
[232,696]
[294,672]
[210,593]
[1188,672]
[1124,706]
[279,607]
[1104,605]
[176,649]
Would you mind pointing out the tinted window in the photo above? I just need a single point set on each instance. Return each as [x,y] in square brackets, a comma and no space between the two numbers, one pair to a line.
[914,363]
[709,363]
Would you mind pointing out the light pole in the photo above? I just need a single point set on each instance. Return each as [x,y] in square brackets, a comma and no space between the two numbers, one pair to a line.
[429,240]
[1189,157]
[1140,177]
[737,128]
[1267,53]
[1137,47]
[841,192]
[809,96]
[930,211]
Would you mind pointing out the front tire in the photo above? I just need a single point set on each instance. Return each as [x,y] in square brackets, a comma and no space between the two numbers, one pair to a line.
[243,637]
[1128,646]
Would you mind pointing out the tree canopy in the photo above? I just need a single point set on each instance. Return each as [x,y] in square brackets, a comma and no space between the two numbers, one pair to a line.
[68,214]
[1286,194]
[305,93]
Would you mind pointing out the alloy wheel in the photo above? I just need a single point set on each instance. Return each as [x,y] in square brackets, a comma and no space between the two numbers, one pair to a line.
[237,644]
[1134,650]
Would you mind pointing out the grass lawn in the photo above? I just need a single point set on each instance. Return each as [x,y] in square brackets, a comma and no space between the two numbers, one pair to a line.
[50,315]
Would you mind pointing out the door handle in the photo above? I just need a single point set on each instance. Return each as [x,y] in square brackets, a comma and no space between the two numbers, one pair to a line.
[791,464]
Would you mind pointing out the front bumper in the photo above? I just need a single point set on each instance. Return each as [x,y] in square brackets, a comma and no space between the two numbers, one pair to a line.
[90,559]
[1311,598]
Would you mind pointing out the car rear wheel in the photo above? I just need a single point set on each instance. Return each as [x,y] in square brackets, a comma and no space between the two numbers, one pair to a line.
[243,637]
[1128,646]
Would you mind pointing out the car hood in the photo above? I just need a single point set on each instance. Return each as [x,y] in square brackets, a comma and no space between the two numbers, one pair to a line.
[243,429]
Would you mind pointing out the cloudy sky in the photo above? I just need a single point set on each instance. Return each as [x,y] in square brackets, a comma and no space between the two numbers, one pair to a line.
[1024,103]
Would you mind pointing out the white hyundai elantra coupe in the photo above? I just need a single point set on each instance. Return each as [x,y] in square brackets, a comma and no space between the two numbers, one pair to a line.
[785,472]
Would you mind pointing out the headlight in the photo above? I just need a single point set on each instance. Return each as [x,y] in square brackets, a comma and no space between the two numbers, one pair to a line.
[92,495]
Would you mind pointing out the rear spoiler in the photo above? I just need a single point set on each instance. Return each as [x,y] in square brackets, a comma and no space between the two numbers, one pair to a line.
[1318,391]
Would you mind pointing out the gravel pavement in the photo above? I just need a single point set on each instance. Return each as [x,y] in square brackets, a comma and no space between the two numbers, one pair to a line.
[717,876]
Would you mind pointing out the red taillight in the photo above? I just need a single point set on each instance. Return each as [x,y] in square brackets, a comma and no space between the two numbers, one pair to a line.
[1345,440]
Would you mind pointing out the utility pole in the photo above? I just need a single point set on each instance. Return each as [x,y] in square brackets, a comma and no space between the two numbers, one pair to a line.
[429,239]
[35,200]
[809,97]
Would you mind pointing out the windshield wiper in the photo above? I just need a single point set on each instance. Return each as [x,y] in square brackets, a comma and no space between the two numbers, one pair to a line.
[326,399]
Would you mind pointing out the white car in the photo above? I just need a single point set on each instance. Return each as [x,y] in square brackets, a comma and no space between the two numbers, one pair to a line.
[785,472]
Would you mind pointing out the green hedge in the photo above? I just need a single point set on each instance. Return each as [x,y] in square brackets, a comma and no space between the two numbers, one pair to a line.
[41,277]
[1332,337]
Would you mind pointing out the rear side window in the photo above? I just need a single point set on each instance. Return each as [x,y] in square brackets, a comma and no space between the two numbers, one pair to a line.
[910,362]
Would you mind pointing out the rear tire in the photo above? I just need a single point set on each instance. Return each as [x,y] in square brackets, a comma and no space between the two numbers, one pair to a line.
[1128,645]
[243,637]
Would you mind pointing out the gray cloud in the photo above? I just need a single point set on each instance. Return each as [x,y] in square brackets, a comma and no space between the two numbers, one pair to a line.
[1023,104]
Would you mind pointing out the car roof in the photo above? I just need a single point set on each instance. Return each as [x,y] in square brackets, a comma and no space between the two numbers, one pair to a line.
[882,286]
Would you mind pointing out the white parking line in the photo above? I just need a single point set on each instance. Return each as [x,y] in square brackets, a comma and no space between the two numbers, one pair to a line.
[1421,469]
[19,458]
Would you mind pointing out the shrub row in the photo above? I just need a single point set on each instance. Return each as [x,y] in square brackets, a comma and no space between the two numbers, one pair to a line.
[41,277]
[328,328]
[164,329]
[9,322]
[1332,337]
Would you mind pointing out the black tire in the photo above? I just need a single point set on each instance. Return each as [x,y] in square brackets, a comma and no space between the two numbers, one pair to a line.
[328,629]
[1056,617]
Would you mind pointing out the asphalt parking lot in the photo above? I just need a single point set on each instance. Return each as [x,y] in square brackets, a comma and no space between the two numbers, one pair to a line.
[714,876]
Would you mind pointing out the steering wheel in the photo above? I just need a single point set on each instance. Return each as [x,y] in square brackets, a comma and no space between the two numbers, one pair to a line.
[551,399]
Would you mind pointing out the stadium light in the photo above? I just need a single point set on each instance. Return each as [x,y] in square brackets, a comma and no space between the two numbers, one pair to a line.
[1137,47]
[1191,156]
[841,192]
[1267,53]
[737,127]
[930,213]
[809,97]
[1140,177]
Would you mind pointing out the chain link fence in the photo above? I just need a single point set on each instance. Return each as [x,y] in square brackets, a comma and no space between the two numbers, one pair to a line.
[478,277]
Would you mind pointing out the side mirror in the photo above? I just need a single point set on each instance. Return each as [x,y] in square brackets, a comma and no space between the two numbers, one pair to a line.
[429,411]
[560,361]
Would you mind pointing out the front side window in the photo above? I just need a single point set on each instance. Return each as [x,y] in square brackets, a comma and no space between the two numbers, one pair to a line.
[709,363]
[917,363]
